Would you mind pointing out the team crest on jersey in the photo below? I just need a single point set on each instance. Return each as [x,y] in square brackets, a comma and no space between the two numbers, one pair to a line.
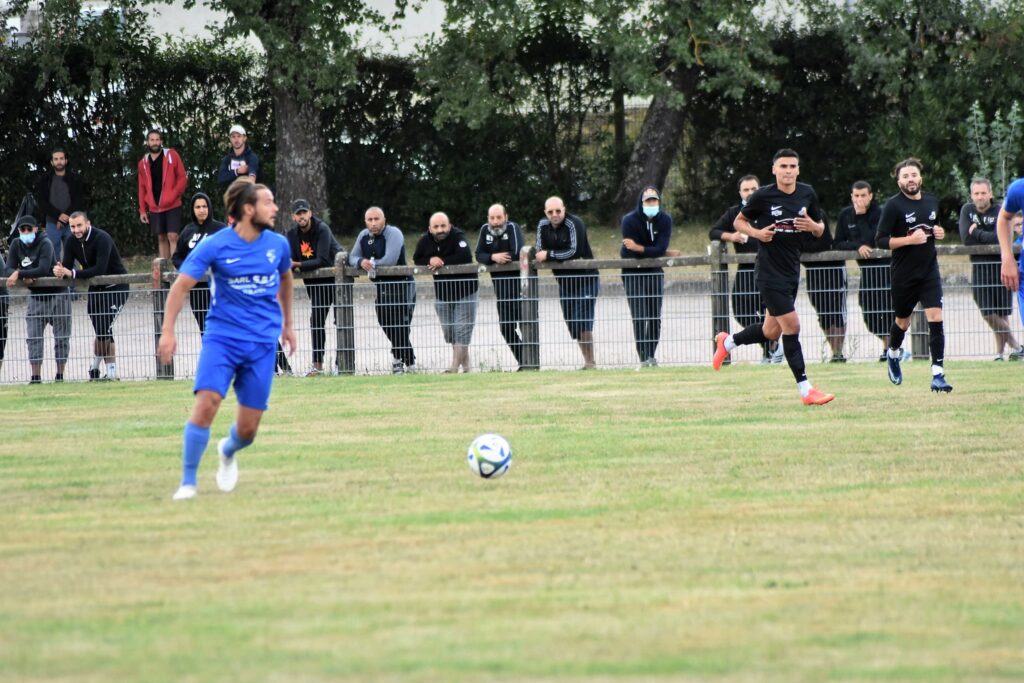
[271,255]
[931,216]
[490,238]
[463,244]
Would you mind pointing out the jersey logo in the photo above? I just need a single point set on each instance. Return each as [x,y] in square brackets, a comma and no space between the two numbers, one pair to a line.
[931,216]
[271,255]
[232,260]
[489,238]
[463,244]
[776,210]
[910,217]
[306,249]
[26,262]
[195,240]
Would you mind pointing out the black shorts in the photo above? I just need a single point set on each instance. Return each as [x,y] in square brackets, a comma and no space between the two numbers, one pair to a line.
[165,222]
[992,297]
[778,298]
[104,303]
[907,292]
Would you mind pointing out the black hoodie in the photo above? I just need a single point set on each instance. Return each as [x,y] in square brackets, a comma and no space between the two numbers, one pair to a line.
[195,231]
[32,261]
[653,234]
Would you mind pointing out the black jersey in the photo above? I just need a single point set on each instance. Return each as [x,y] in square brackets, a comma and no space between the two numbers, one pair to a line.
[778,261]
[902,216]
[984,233]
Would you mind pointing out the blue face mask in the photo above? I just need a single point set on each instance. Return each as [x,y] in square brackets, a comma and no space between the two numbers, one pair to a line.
[651,211]
[27,237]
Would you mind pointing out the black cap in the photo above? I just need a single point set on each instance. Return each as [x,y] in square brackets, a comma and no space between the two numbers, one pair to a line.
[29,220]
[300,205]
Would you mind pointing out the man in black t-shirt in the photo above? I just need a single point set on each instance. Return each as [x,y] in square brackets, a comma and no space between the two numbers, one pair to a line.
[909,227]
[978,226]
[746,302]
[780,217]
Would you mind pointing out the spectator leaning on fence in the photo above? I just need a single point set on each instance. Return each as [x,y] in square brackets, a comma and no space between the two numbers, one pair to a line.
[978,226]
[32,256]
[60,192]
[855,230]
[562,237]
[240,160]
[252,278]
[645,234]
[162,182]
[909,227]
[203,224]
[747,307]
[95,254]
[499,243]
[455,294]
[313,247]
[780,216]
[380,244]
[826,288]
[1009,271]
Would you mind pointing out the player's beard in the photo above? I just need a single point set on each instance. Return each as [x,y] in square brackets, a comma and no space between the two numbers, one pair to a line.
[911,188]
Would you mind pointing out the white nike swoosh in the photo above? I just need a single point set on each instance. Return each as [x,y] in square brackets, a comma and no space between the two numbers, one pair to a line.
[231,260]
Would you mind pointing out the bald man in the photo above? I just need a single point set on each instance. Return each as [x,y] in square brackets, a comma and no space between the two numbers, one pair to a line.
[455,295]
[499,243]
[380,244]
[562,237]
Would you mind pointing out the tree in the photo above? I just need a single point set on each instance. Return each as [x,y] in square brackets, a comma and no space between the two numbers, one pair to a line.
[311,54]
[539,61]
[992,148]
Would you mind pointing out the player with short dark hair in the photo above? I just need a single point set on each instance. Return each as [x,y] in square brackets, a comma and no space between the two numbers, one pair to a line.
[780,217]
[909,227]
[251,270]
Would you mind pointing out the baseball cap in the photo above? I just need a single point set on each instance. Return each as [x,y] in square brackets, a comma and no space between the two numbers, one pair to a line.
[300,205]
[29,221]
[237,129]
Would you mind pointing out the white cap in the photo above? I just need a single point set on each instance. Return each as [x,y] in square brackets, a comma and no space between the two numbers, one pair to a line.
[236,129]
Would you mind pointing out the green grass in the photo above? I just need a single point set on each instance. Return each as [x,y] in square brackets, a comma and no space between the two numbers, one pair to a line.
[677,524]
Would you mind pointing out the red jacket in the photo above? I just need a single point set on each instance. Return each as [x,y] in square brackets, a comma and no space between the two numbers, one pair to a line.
[175,181]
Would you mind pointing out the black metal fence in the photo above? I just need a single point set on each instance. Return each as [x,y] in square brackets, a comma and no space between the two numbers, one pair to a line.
[361,326]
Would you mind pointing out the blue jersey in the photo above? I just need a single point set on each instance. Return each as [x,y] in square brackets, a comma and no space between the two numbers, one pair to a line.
[1014,202]
[246,278]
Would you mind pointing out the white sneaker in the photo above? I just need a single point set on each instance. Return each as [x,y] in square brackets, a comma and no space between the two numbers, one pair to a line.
[184,492]
[227,470]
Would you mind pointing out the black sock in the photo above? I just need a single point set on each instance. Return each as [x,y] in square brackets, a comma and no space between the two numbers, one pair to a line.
[936,342]
[751,334]
[896,335]
[794,356]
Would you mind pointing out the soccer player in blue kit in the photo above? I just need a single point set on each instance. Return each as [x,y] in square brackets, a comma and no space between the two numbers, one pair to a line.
[1010,271]
[251,306]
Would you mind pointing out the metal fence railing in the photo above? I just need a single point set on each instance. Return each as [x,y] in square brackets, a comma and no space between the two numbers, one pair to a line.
[365,321]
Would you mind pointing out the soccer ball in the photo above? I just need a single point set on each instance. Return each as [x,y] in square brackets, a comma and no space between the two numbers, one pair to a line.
[489,456]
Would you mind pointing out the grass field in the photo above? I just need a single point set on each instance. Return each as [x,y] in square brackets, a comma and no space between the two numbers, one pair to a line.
[676,524]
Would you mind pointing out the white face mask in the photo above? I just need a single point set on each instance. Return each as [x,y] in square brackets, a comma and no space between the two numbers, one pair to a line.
[27,237]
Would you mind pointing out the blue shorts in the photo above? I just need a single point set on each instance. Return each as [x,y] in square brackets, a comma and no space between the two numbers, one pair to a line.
[249,363]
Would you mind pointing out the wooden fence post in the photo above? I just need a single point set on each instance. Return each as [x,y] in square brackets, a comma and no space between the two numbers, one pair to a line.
[344,316]
[159,288]
[529,309]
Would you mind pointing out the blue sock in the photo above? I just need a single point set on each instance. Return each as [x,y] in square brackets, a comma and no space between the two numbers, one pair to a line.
[195,442]
[234,443]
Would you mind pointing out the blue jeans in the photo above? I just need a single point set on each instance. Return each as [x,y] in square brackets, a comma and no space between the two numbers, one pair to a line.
[57,236]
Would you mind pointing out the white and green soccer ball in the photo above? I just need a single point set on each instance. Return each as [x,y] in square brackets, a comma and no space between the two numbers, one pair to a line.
[489,456]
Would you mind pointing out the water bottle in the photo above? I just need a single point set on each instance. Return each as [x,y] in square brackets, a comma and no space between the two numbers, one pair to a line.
[372,273]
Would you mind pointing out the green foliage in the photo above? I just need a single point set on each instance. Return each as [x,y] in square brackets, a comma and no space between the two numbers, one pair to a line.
[993,148]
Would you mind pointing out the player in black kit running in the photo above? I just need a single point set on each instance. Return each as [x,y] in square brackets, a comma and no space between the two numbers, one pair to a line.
[909,227]
[780,217]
